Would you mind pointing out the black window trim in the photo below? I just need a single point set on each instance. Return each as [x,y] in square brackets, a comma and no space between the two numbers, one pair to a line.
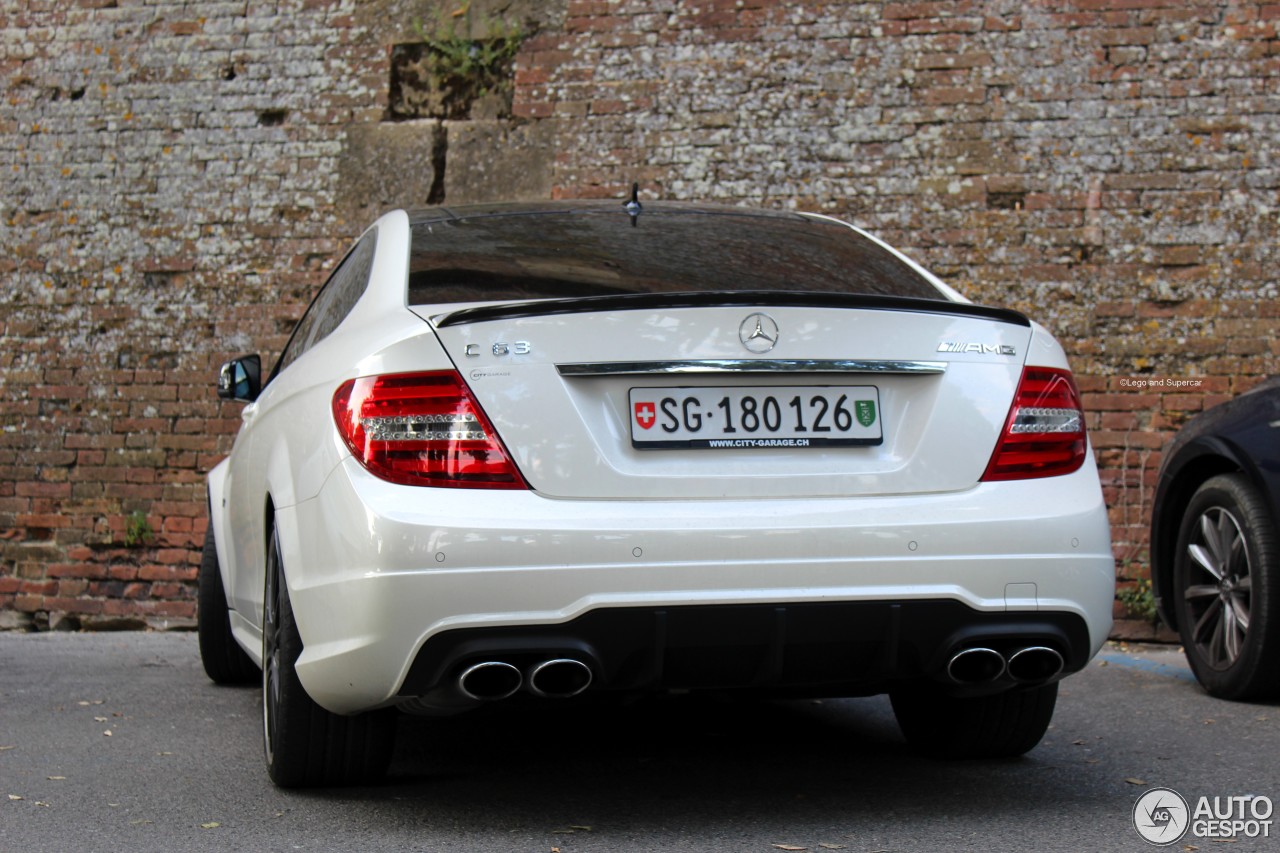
[371,232]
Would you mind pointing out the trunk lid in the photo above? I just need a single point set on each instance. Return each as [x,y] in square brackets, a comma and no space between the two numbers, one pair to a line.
[913,393]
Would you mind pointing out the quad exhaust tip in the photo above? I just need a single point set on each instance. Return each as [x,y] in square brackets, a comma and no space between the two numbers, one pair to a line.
[981,665]
[978,665]
[559,678]
[490,680]
[1035,664]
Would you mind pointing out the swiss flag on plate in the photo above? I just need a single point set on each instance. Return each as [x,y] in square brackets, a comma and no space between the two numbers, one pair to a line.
[646,415]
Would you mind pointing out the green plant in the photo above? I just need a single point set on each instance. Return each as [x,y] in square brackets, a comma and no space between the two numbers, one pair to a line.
[138,531]
[1139,601]
[454,55]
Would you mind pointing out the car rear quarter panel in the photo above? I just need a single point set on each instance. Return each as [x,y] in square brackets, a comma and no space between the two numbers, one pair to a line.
[287,444]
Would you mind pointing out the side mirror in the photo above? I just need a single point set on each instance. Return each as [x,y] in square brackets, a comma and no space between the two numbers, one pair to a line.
[241,379]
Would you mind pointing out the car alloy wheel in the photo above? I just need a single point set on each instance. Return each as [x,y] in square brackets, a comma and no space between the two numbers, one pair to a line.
[271,652]
[305,744]
[1218,596]
[1224,573]
[223,659]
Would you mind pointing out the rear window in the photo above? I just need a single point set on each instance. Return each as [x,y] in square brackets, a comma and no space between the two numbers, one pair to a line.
[597,251]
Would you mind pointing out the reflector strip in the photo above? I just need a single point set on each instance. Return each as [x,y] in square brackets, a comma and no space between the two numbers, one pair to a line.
[424,428]
[1042,420]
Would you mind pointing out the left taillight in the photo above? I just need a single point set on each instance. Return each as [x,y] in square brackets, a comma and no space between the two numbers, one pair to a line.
[1044,434]
[422,429]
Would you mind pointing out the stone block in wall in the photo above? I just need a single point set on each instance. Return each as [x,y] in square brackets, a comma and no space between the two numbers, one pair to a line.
[499,161]
[394,20]
[385,166]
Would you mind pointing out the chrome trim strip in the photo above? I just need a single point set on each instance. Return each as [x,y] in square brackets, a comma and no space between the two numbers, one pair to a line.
[750,365]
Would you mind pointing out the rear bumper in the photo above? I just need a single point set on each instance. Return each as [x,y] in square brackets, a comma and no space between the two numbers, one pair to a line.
[821,648]
[396,587]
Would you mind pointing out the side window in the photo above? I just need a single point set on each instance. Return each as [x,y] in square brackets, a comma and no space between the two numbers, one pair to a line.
[333,303]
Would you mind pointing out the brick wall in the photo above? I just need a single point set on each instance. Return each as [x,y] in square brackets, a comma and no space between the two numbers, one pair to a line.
[166,202]
[178,178]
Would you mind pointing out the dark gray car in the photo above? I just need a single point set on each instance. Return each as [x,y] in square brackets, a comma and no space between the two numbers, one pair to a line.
[1215,555]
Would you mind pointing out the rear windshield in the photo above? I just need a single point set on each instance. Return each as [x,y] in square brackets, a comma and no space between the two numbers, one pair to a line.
[597,251]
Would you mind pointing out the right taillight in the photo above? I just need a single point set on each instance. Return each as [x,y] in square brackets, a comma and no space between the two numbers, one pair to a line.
[422,429]
[1044,433]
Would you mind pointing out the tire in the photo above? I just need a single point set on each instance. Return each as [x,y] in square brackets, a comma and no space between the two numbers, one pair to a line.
[305,745]
[1226,590]
[1003,725]
[224,661]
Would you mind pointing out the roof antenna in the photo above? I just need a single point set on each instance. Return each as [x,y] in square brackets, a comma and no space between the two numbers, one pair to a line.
[633,206]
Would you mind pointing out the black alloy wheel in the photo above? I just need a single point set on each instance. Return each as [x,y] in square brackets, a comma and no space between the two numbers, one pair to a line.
[306,745]
[1225,586]
[223,659]
[271,652]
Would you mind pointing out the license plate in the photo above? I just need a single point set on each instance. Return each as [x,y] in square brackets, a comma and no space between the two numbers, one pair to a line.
[755,417]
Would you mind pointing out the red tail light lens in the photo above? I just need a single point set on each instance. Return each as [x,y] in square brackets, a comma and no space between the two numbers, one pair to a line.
[1044,433]
[422,429]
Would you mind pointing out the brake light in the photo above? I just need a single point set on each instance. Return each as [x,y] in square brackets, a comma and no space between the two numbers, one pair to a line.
[422,429]
[1044,433]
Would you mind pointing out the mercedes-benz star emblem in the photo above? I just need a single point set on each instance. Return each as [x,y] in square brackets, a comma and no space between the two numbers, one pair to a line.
[758,333]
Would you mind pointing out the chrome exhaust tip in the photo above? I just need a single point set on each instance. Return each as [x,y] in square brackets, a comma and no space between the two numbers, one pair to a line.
[1034,664]
[559,678]
[977,665]
[489,680]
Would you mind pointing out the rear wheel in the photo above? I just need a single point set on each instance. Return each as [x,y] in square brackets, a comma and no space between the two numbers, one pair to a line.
[1002,725]
[224,661]
[1226,589]
[307,746]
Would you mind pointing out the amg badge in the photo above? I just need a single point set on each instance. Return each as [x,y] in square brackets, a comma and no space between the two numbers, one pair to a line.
[981,349]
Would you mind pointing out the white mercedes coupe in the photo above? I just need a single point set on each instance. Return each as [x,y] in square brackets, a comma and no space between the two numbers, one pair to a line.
[533,452]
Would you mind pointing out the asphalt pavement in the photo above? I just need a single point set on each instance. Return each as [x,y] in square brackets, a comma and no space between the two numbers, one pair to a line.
[118,742]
